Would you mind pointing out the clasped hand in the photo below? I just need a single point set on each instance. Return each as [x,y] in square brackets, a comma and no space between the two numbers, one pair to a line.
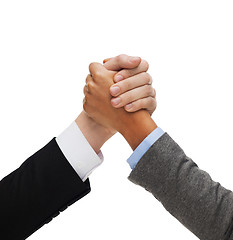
[117,89]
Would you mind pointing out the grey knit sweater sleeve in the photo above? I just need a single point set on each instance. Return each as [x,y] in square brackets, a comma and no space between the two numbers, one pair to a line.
[187,192]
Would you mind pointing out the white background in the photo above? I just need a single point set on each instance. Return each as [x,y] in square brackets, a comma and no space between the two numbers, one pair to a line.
[45,50]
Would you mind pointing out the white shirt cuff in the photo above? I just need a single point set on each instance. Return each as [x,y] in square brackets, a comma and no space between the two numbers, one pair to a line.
[78,151]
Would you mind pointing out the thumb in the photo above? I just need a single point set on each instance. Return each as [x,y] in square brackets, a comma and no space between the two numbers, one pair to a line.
[120,62]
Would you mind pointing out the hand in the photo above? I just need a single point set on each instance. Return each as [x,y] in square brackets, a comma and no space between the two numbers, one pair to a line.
[132,89]
[97,104]
[129,68]
[97,101]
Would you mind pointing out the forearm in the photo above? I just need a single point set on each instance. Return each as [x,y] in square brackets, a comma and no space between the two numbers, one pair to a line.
[95,134]
[37,191]
[187,192]
[136,127]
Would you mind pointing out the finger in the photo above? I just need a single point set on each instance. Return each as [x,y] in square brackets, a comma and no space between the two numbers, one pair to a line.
[84,101]
[86,89]
[133,95]
[126,73]
[122,61]
[148,103]
[97,70]
[89,85]
[130,83]
[85,105]
[89,78]
[106,60]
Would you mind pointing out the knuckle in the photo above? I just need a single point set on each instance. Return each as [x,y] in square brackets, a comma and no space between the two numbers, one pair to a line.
[98,74]
[140,104]
[91,65]
[151,104]
[150,79]
[86,108]
[146,77]
[154,93]
[151,101]
[87,78]
[84,105]
[91,86]
[126,73]
[149,90]
[89,98]
[93,68]
[145,65]
[121,57]
[86,98]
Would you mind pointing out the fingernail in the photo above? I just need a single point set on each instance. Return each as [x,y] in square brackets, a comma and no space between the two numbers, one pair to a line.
[116,101]
[128,106]
[114,90]
[134,59]
[118,78]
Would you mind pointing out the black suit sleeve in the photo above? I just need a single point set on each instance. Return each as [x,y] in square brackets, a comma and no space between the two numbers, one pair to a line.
[37,191]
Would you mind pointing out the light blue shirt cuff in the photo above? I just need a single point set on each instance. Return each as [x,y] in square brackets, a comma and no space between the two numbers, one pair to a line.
[144,146]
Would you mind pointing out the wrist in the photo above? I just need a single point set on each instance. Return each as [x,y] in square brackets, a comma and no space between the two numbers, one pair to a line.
[95,133]
[136,127]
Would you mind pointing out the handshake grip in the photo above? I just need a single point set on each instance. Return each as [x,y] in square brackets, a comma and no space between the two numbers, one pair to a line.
[97,104]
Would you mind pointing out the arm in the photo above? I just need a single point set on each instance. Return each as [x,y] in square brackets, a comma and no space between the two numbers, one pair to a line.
[50,180]
[95,134]
[187,192]
[44,185]
[56,176]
